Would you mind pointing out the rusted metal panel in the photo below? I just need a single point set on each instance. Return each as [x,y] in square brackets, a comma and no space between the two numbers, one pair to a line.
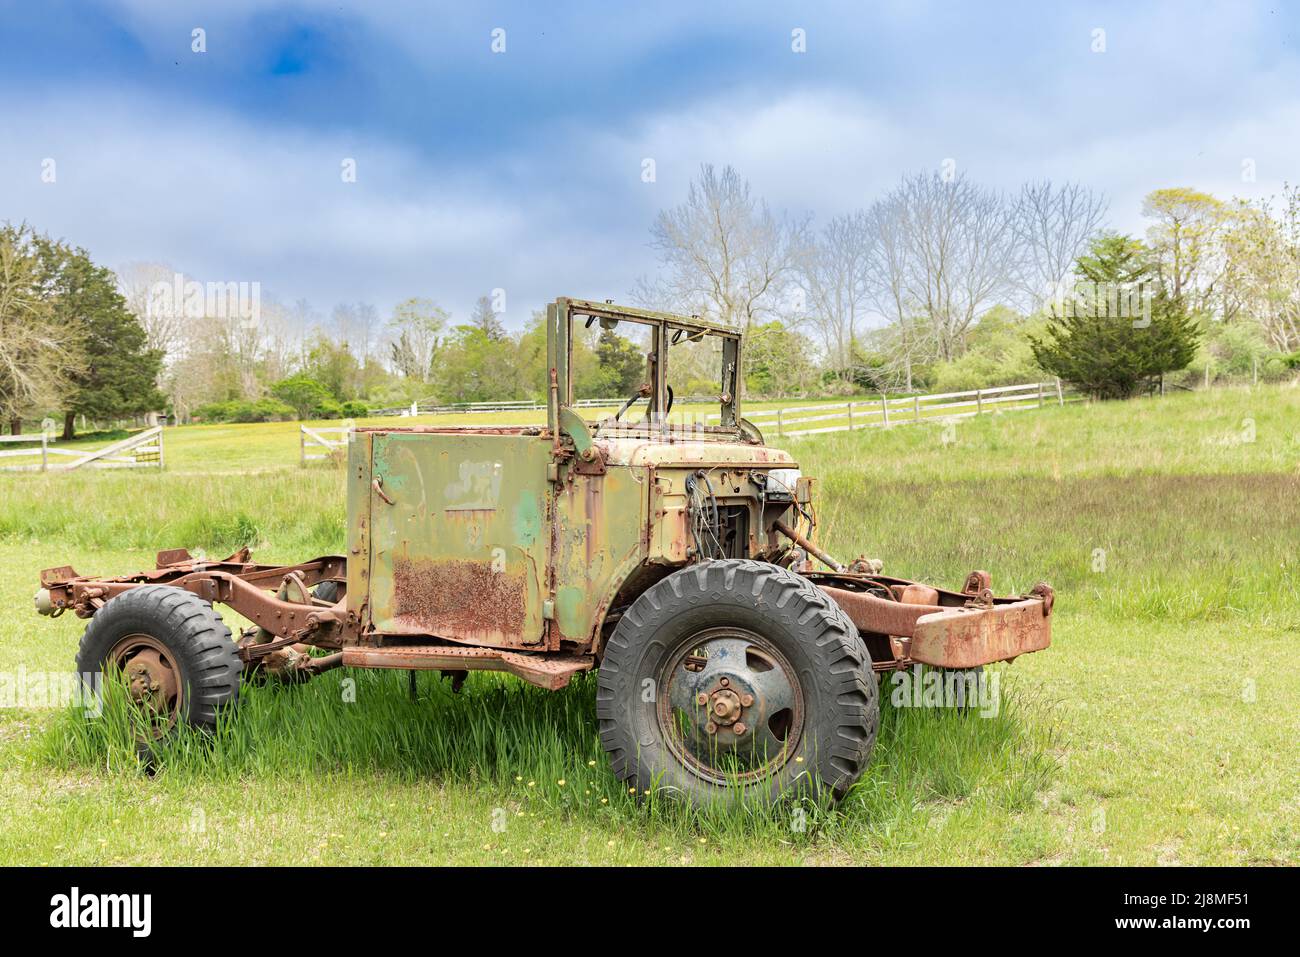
[964,638]
[597,538]
[358,533]
[882,616]
[684,449]
[947,629]
[459,536]
[552,671]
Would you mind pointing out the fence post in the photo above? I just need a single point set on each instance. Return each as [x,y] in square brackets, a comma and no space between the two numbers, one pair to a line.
[1040,395]
[45,450]
[1060,397]
[979,401]
[884,409]
[778,422]
[850,416]
[160,449]
[916,407]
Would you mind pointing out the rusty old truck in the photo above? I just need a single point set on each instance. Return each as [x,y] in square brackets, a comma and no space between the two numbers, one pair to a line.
[675,558]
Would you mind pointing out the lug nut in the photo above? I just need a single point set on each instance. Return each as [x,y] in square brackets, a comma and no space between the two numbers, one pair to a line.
[738,727]
[701,698]
[711,728]
[747,699]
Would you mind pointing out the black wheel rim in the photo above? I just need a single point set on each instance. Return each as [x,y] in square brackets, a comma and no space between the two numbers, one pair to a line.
[730,705]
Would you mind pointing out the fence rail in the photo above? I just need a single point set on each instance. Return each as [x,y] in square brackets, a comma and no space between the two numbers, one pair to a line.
[845,416]
[311,439]
[885,412]
[142,450]
[518,405]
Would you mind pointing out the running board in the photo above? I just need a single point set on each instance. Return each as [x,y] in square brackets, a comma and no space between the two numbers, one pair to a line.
[551,671]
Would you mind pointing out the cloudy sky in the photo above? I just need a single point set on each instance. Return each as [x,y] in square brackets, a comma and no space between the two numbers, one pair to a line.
[522,169]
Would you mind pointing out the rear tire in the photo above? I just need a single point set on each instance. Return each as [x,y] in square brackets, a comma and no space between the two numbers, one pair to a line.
[175,654]
[736,679]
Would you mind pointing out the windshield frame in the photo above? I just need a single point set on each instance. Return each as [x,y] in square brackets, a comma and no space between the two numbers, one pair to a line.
[665,330]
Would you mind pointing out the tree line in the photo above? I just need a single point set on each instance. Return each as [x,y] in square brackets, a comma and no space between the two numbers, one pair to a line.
[941,284]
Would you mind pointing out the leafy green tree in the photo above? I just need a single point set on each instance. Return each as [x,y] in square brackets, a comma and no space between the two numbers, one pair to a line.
[475,367]
[304,395]
[589,379]
[1107,354]
[119,373]
[332,364]
[622,364]
[777,360]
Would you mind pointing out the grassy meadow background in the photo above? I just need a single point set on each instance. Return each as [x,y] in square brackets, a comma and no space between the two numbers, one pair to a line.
[1160,728]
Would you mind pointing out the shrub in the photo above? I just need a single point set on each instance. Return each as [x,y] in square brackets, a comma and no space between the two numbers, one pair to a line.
[327,409]
[243,410]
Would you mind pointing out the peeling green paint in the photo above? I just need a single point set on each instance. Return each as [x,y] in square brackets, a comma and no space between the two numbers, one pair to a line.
[527,518]
[571,609]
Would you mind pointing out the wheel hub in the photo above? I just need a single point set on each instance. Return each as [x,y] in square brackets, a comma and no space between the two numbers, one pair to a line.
[734,703]
[726,706]
[152,679]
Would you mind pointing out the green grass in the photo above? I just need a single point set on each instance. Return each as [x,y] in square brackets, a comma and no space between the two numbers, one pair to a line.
[1159,728]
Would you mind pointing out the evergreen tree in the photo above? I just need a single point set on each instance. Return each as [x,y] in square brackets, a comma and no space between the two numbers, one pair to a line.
[1094,346]
[119,374]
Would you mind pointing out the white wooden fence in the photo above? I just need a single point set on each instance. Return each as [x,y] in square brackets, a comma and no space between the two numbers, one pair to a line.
[142,450]
[885,412]
[313,444]
[429,407]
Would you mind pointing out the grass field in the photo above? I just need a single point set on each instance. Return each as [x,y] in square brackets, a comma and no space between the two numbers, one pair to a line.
[1160,728]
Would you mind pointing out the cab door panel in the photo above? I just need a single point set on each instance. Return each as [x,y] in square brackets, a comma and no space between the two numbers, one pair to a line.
[461,552]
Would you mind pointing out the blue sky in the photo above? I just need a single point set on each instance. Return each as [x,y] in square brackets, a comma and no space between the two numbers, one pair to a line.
[521,170]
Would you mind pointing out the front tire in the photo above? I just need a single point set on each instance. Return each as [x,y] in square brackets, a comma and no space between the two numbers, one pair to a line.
[174,653]
[736,678]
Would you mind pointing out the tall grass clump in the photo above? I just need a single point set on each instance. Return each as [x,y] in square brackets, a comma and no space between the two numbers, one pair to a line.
[542,749]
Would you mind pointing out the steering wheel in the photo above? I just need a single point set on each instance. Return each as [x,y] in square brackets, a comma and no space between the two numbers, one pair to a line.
[640,393]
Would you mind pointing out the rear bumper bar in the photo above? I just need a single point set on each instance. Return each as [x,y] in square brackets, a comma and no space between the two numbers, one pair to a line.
[917,623]
[965,638]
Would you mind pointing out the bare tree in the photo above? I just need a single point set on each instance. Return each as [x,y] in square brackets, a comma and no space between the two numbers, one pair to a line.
[416,330]
[835,273]
[725,255]
[1053,225]
[959,248]
[905,342]
[161,315]
[367,329]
